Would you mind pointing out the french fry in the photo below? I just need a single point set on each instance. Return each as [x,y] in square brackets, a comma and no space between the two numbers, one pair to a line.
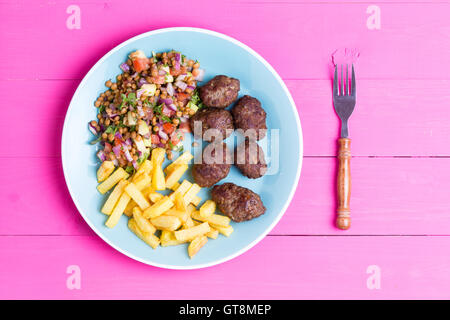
[118,210]
[175,175]
[191,208]
[155,196]
[191,193]
[112,180]
[196,245]
[226,231]
[189,223]
[207,209]
[142,181]
[215,219]
[146,167]
[182,189]
[191,233]
[158,180]
[141,222]
[137,196]
[175,186]
[164,222]
[114,197]
[168,239]
[183,159]
[147,190]
[129,209]
[180,204]
[149,238]
[158,155]
[196,200]
[158,208]
[182,215]
[213,234]
[106,168]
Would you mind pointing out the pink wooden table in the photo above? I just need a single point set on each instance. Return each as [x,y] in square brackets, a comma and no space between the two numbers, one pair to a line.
[399,243]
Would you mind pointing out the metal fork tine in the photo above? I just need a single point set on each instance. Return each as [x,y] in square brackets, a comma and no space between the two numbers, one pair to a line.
[342,81]
[335,82]
[353,81]
[347,81]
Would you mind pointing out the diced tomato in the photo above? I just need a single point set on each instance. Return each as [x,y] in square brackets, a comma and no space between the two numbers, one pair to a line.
[140,64]
[182,96]
[176,137]
[184,127]
[158,80]
[108,147]
[168,128]
[155,139]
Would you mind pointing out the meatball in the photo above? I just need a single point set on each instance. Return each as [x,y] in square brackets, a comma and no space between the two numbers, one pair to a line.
[212,168]
[249,158]
[220,91]
[212,118]
[238,203]
[248,114]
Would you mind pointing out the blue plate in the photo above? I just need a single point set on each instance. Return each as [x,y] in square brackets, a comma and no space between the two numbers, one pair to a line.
[218,54]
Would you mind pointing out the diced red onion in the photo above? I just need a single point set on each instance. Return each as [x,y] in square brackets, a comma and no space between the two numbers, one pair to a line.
[201,75]
[134,75]
[142,81]
[177,57]
[162,72]
[112,115]
[116,150]
[183,119]
[191,87]
[167,101]
[118,135]
[116,162]
[139,93]
[182,85]
[125,67]
[92,129]
[135,165]
[170,89]
[147,136]
[140,111]
[161,145]
[173,107]
[101,155]
[128,142]
[163,135]
[181,77]
[167,111]
[127,153]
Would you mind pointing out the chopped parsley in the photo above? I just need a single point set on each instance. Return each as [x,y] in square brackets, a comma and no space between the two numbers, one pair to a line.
[166,118]
[129,169]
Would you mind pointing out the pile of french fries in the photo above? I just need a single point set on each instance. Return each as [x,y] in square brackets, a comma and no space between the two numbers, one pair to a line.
[174,216]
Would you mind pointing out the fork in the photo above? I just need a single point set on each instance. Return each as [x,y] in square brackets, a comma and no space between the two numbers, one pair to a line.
[344,100]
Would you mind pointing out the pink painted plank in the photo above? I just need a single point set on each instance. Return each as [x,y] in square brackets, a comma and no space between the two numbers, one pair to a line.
[300,268]
[390,196]
[297,38]
[392,118]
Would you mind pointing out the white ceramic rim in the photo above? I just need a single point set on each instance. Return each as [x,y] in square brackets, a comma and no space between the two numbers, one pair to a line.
[299,131]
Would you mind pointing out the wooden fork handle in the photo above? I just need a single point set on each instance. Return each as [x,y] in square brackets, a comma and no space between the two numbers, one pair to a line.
[344,184]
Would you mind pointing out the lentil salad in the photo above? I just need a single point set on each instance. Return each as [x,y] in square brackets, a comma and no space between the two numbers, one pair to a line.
[148,106]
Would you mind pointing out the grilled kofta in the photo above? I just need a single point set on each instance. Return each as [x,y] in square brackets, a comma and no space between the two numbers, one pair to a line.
[220,91]
[238,203]
[212,118]
[249,159]
[214,166]
[249,115]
